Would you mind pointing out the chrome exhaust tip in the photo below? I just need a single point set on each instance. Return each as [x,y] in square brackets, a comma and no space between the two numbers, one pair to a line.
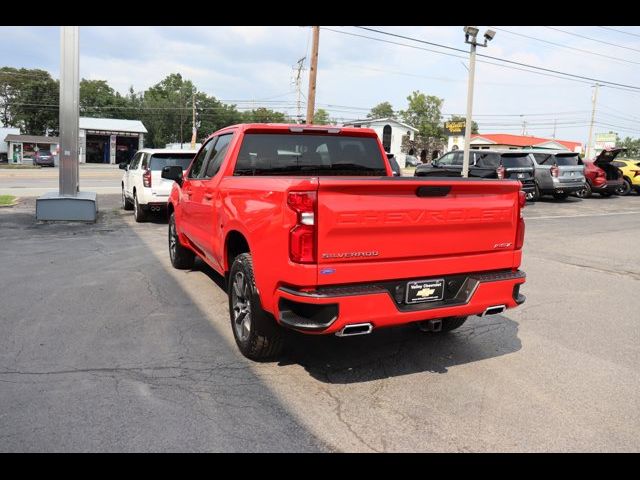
[494,310]
[355,329]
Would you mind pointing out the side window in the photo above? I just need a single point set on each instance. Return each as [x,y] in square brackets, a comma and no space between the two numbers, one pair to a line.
[198,162]
[487,160]
[446,160]
[217,155]
[145,160]
[135,161]
[457,159]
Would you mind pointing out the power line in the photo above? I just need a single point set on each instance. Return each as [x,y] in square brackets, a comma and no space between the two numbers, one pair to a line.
[633,87]
[592,39]
[621,31]
[565,46]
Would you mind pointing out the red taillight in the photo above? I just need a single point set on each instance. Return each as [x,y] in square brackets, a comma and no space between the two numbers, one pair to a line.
[500,172]
[522,201]
[146,178]
[554,171]
[302,237]
[520,234]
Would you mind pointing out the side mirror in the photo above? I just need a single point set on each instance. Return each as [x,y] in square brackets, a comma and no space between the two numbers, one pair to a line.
[123,166]
[173,172]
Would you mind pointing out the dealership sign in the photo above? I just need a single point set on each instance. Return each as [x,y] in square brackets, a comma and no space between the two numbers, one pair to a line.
[605,140]
[455,128]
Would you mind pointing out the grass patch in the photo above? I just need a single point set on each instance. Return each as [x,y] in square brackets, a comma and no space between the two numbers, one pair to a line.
[10,166]
[6,199]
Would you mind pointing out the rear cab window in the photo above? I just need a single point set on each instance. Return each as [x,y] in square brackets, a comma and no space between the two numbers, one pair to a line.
[161,160]
[516,161]
[309,154]
[568,160]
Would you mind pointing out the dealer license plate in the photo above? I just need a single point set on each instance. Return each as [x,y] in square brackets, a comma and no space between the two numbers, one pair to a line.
[425,291]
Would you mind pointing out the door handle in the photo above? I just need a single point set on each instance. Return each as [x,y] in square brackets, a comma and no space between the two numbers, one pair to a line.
[208,196]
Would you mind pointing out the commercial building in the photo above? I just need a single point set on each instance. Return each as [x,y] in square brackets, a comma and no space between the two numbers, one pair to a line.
[508,141]
[4,146]
[22,148]
[109,140]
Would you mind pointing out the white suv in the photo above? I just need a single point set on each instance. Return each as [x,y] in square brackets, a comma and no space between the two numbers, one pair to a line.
[143,188]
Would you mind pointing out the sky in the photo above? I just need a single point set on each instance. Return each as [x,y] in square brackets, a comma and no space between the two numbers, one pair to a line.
[253,66]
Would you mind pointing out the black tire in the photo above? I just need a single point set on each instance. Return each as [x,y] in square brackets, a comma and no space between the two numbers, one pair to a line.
[256,332]
[536,194]
[126,203]
[625,189]
[560,196]
[586,192]
[181,257]
[138,213]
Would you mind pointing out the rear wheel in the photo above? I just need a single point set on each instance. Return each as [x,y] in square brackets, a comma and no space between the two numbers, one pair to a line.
[139,214]
[585,192]
[256,332]
[536,193]
[560,196]
[181,257]
[625,188]
[126,203]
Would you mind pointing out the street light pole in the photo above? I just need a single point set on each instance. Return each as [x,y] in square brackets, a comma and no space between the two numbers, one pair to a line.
[471,32]
[467,130]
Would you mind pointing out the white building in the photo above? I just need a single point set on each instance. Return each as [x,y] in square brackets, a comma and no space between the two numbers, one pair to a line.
[4,146]
[109,140]
[390,132]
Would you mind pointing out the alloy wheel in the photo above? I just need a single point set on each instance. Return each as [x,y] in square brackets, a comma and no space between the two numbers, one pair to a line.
[240,300]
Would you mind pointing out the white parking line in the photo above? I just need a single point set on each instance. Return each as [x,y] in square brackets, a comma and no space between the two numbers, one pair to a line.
[635,212]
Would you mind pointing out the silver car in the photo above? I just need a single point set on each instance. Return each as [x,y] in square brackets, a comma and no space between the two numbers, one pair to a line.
[557,173]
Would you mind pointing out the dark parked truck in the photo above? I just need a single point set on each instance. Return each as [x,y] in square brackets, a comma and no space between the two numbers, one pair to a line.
[314,233]
[500,164]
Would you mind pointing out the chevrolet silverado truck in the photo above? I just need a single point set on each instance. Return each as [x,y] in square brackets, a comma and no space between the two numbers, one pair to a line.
[314,233]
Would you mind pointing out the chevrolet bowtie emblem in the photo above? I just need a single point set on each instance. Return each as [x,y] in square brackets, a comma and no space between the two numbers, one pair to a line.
[425,292]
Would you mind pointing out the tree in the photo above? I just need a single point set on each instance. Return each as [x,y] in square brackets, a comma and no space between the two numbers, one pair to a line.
[321,117]
[98,99]
[263,115]
[458,118]
[424,113]
[632,145]
[382,110]
[36,105]
[9,90]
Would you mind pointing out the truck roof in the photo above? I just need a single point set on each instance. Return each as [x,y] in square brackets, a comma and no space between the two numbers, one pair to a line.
[299,128]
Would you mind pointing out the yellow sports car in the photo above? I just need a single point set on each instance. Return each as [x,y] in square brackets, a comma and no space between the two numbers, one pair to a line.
[631,172]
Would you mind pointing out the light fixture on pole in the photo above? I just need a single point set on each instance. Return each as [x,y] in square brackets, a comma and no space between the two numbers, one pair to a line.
[470,37]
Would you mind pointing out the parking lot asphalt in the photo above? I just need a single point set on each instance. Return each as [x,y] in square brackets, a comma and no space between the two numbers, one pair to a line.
[104,347]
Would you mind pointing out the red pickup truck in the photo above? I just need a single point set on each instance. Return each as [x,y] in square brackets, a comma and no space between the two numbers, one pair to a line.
[314,233]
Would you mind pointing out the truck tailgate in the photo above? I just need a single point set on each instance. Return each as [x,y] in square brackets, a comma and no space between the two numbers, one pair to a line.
[405,219]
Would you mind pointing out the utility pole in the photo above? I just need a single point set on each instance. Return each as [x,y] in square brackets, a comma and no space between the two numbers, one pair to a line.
[594,98]
[554,128]
[297,81]
[193,120]
[524,127]
[313,73]
[488,36]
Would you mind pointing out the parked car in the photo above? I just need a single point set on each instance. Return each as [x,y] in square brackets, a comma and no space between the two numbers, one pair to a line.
[630,174]
[558,173]
[500,164]
[411,161]
[325,242]
[43,158]
[602,177]
[394,165]
[143,188]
